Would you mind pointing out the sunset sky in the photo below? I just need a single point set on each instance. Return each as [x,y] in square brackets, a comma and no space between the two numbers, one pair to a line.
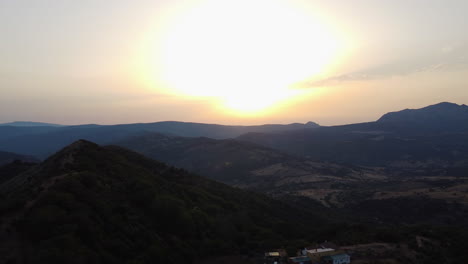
[229,62]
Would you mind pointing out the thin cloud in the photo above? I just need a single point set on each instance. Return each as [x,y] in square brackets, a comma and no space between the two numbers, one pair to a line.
[450,57]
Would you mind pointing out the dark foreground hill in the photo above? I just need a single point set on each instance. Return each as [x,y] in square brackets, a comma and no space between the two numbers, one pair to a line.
[91,204]
[10,170]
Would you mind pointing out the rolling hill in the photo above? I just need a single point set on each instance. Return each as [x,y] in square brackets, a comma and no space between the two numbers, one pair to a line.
[29,124]
[42,141]
[92,204]
[442,117]
[7,157]
[241,164]
[432,139]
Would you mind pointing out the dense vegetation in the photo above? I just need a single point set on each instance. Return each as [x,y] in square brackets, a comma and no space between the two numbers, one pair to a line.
[92,204]
[228,161]
[14,168]
[89,204]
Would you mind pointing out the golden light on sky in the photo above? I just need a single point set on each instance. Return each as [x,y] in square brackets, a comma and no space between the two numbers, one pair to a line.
[229,61]
[247,55]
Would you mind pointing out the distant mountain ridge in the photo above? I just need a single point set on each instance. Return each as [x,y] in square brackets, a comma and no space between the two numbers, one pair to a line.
[428,134]
[29,124]
[443,116]
[43,141]
[433,136]
[7,157]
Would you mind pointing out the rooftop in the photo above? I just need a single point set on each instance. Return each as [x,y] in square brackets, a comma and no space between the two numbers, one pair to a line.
[319,250]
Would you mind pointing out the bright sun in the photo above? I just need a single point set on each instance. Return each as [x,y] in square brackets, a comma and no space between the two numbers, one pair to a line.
[245,53]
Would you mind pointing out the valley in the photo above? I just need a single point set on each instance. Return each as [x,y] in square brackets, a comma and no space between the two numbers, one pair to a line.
[377,193]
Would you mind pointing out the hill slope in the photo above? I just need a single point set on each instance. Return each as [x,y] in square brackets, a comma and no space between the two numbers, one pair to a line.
[432,137]
[240,163]
[44,141]
[91,204]
[443,117]
[14,168]
[441,112]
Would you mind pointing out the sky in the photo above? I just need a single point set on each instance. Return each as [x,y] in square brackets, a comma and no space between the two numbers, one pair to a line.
[229,62]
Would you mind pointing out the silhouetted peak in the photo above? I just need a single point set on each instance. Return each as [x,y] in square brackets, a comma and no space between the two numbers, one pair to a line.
[439,113]
[80,144]
[444,106]
[311,124]
[67,157]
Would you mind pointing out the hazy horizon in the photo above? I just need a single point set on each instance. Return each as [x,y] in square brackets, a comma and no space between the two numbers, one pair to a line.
[194,121]
[228,62]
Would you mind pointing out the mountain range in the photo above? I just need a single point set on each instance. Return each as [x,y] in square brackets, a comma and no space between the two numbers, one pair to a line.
[42,141]
[434,137]
[29,124]
[427,141]
[441,117]
[389,181]
[434,134]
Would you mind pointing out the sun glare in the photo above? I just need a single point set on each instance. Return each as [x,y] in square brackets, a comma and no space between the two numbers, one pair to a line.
[246,53]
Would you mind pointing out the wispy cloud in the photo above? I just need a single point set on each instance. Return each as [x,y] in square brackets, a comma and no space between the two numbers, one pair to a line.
[453,56]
